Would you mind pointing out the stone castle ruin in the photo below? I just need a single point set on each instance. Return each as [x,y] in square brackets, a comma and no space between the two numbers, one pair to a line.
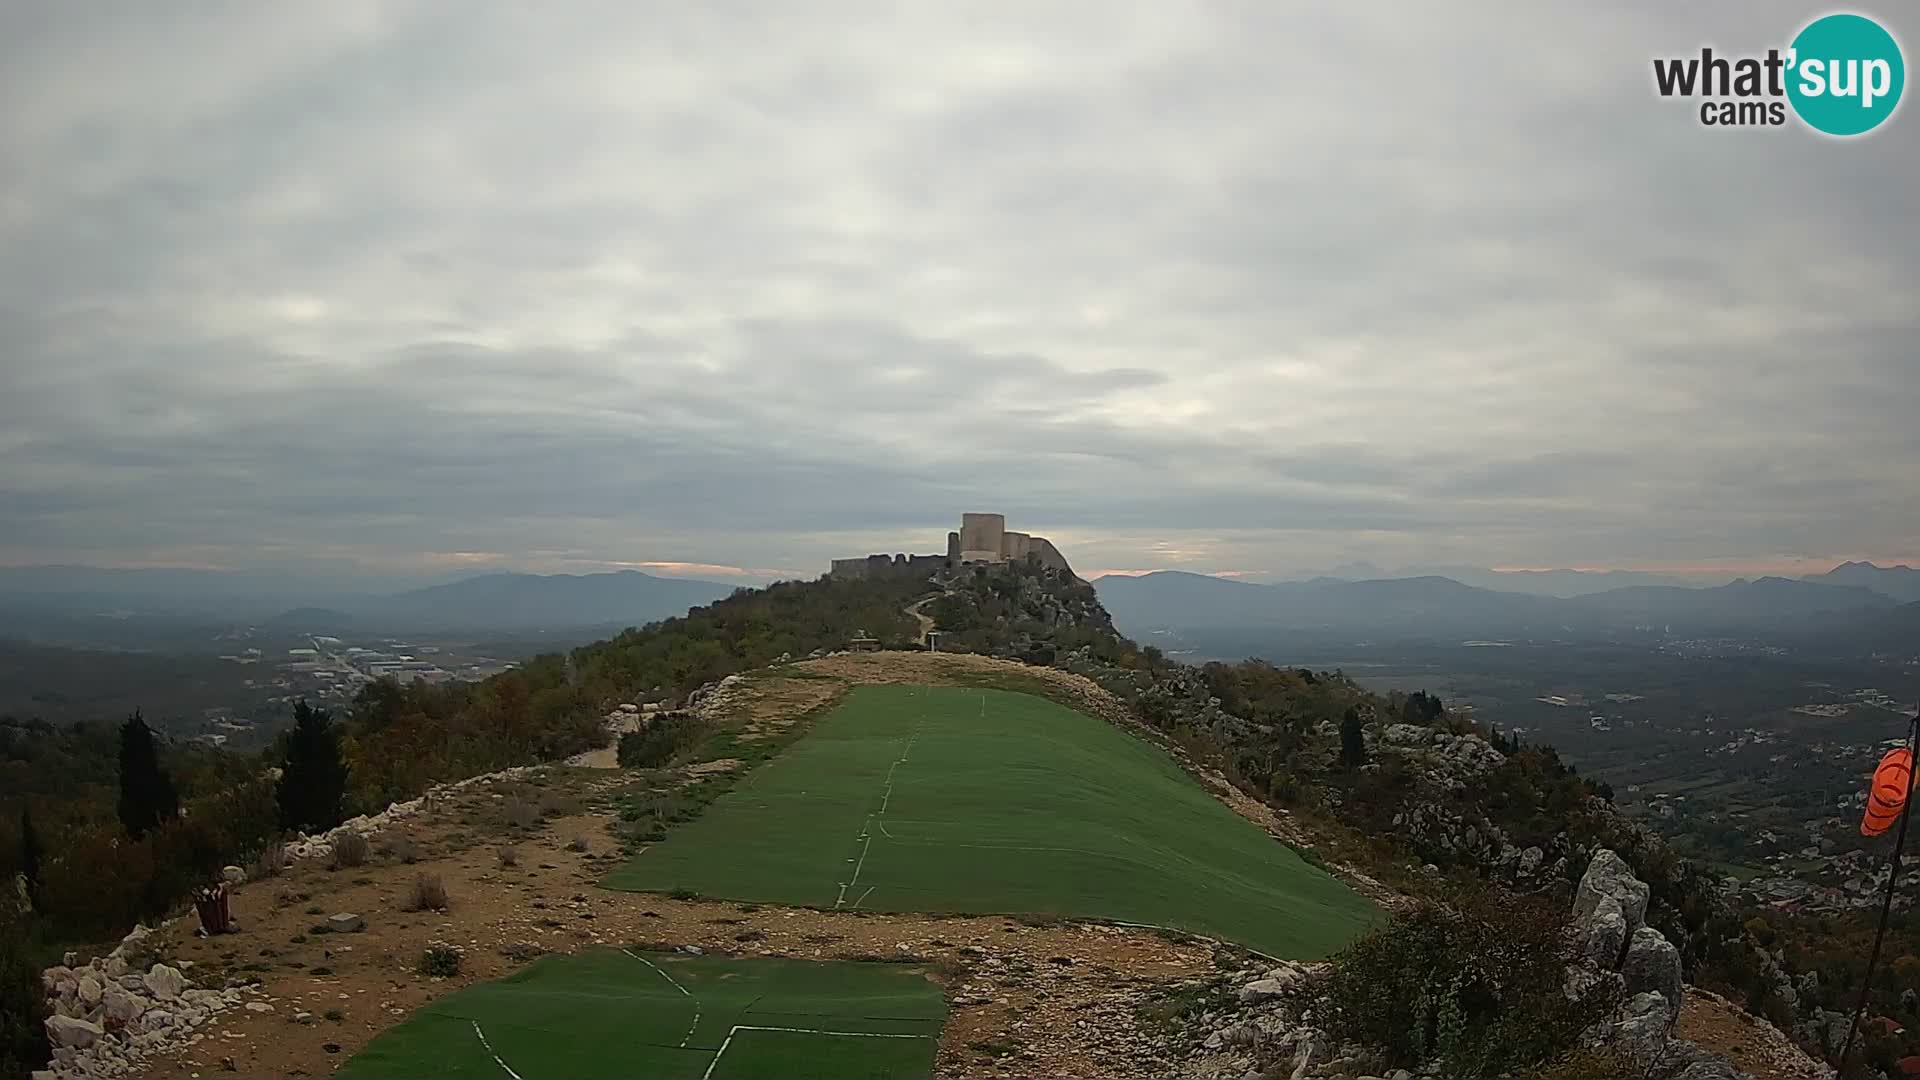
[981,539]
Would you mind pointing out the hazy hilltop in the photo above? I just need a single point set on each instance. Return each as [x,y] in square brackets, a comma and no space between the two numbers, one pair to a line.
[60,595]
[1436,605]
[526,601]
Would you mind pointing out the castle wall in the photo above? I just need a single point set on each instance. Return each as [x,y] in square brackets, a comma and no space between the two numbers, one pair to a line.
[981,538]
[874,567]
[1048,554]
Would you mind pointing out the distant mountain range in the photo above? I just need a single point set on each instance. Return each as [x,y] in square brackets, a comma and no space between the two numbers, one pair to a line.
[512,602]
[1900,582]
[1430,605]
[534,601]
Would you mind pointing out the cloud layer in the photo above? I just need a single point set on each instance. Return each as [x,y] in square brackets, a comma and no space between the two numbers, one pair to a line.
[1229,287]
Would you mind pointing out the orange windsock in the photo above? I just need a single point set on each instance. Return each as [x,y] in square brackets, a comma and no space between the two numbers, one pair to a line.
[1887,795]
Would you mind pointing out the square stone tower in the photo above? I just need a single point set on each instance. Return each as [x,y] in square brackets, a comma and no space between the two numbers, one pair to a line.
[982,537]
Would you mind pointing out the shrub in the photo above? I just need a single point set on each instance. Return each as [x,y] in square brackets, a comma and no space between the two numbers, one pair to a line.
[1476,985]
[659,741]
[522,951]
[440,960]
[351,849]
[23,1007]
[578,843]
[520,814]
[271,862]
[509,857]
[429,894]
[402,849]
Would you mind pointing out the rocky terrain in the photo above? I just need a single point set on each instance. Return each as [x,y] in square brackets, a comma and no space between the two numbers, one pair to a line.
[1260,1020]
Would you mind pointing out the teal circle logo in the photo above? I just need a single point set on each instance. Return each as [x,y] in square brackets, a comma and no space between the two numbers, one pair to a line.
[1846,74]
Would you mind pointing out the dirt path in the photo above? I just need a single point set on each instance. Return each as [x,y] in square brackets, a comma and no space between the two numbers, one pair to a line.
[608,756]
[1753,1046]
[925,620]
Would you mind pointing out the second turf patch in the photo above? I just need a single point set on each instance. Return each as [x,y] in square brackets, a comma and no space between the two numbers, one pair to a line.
[945,799]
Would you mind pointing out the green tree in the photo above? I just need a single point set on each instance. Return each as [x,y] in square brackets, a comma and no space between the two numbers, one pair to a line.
[29,851]
[1353,741]
[313,780]
[147,795]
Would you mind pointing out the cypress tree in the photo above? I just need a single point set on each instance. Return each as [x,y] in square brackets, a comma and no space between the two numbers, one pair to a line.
[313,780]
[29,851]
[147,795]
[1353,741]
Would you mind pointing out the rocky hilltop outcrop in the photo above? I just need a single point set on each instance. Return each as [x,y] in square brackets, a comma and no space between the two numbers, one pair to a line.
[1266,1020]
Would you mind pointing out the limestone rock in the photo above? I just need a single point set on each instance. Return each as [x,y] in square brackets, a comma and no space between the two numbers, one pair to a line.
[346,922]
[1653,964]
[233,875]
[1604,934]
[164,982]
[90,989]
[66,1031]
[1642,1033]
[1264,990]
[120,1008]
[1609,875]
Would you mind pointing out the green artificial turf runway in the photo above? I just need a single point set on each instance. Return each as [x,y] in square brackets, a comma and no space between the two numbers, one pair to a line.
[943,799]
[618,1014]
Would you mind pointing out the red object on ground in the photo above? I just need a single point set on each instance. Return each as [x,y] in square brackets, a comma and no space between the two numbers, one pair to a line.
[214,905]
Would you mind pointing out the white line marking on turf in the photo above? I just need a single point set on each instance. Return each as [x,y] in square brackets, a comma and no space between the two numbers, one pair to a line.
[738,1028]
[866,828]
[863,897]
[676,986]
[508,1069]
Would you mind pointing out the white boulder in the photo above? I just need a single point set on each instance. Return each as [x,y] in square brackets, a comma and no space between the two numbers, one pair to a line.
[165,983]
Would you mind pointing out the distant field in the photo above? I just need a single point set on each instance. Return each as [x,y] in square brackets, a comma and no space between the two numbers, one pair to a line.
[939,799]
[616,1014]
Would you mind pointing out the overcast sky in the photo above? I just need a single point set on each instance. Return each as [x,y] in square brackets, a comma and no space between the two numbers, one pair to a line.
[1230,287]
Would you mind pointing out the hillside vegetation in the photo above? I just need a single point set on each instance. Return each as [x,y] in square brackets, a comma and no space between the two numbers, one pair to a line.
[1394,786]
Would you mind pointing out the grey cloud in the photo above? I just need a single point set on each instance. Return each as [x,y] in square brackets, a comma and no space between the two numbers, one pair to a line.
[752,284]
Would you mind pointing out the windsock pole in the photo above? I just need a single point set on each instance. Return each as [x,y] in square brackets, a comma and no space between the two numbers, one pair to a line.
[1886,906]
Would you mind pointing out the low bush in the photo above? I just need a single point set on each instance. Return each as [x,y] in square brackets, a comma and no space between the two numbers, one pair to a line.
[520,814]
[429,893]
[351,849]
[1476,985]
[656,744]
[508,856]
[440,960]
[401,849]
[23,1005]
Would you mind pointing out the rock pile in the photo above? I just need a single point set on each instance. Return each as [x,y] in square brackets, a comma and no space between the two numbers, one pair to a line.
[1617,945]
[303,846]
[1259,1028]
[110,1019]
